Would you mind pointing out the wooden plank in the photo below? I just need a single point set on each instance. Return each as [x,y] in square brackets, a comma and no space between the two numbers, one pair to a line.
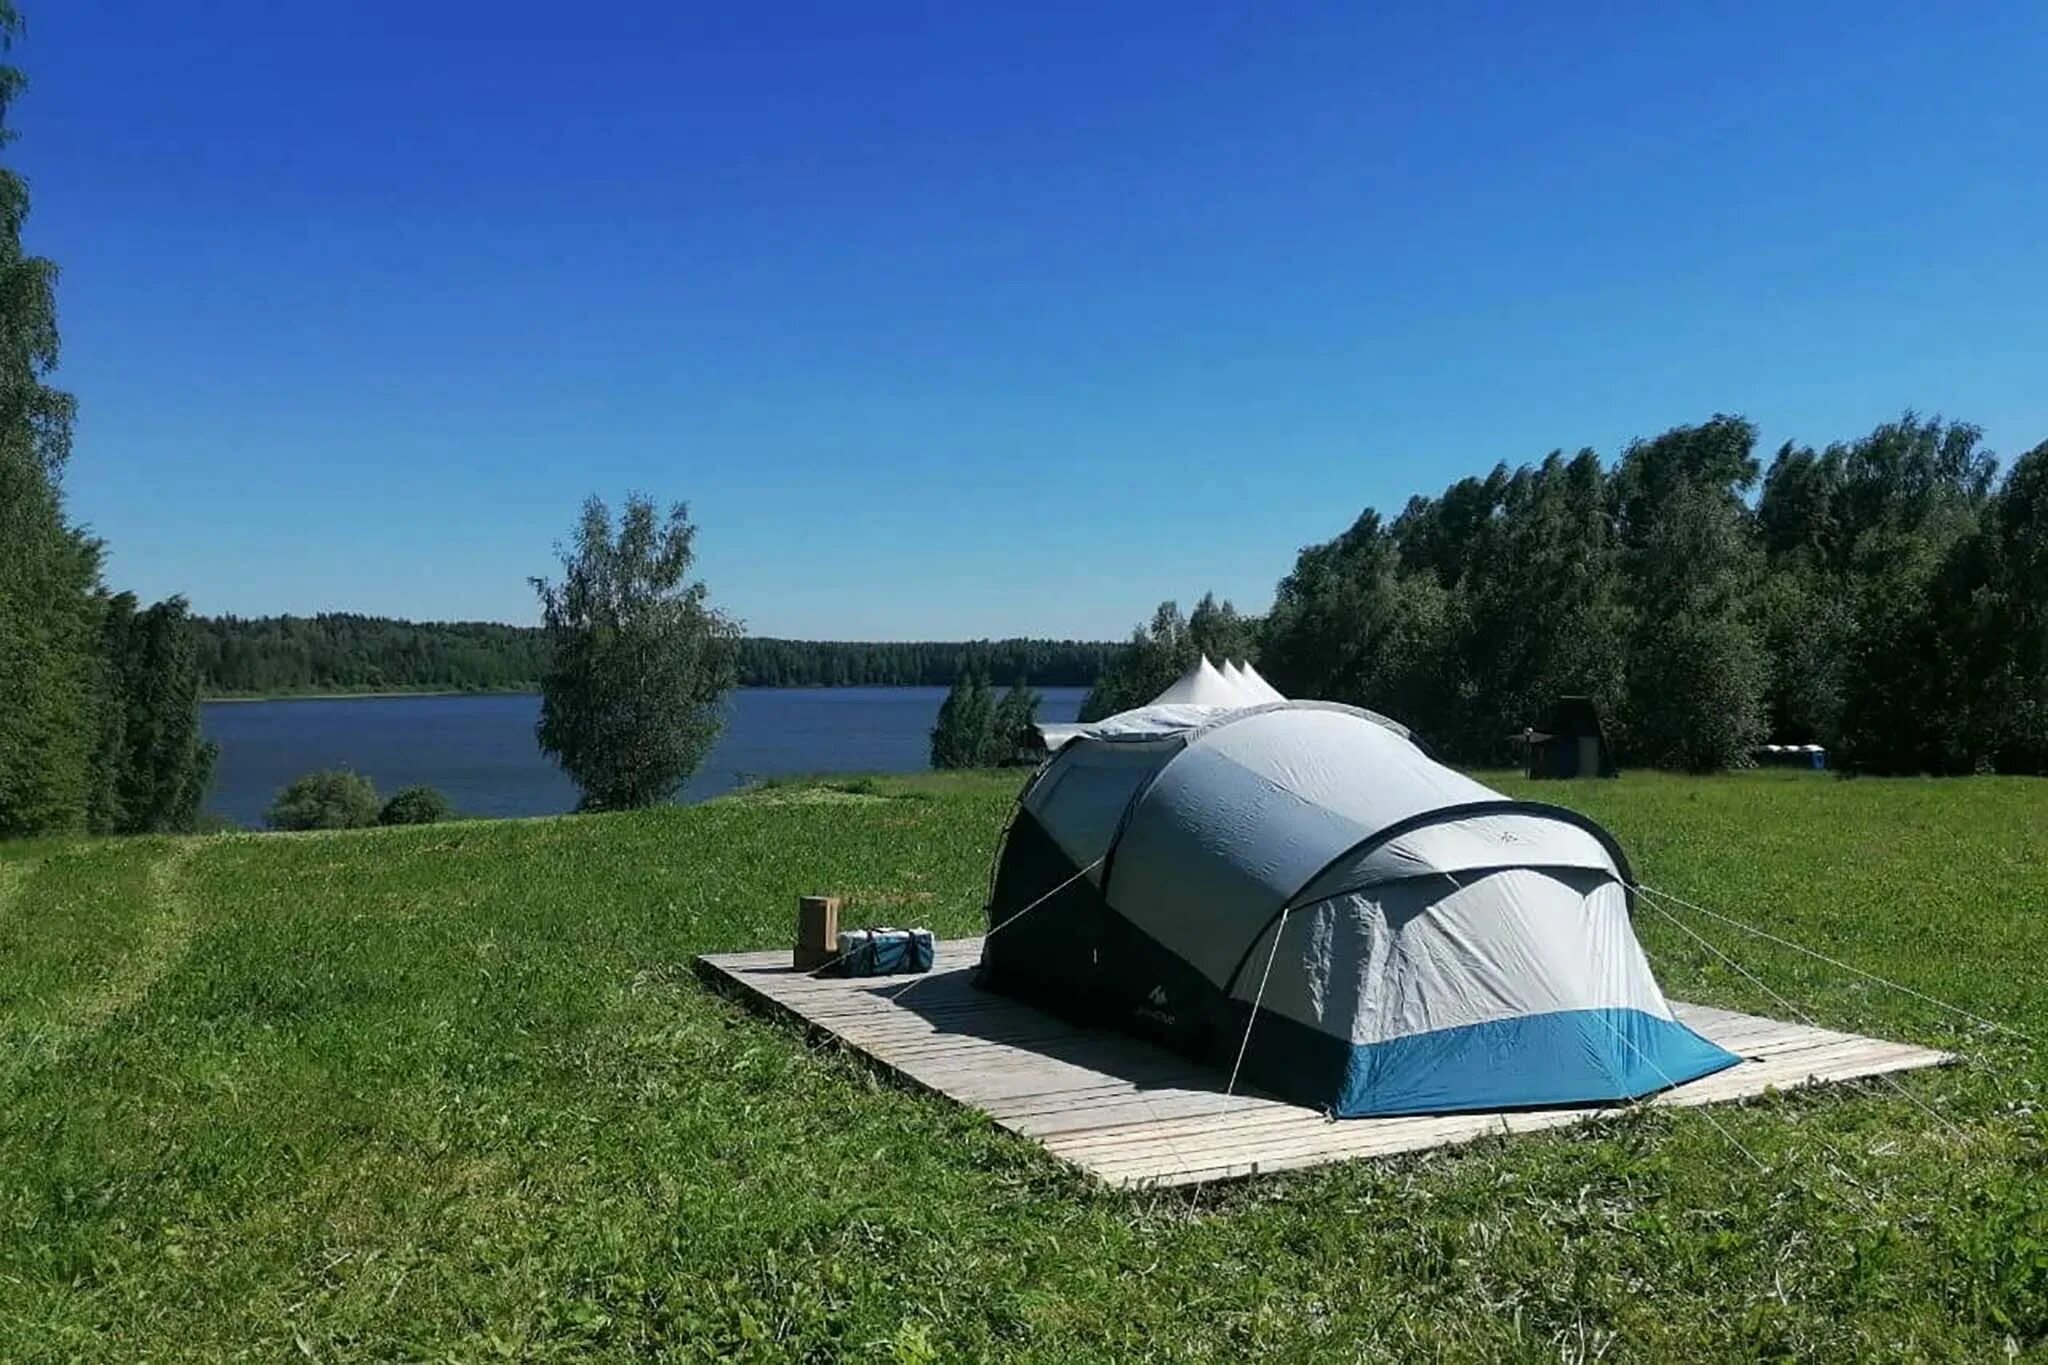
[1134,1114]
[1348,1140]
[1142,1107]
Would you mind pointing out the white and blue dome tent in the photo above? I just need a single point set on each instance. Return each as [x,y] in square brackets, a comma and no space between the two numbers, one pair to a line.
[1413,941]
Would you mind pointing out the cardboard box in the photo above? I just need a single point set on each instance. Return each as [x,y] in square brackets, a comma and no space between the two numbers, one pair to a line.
[817,931]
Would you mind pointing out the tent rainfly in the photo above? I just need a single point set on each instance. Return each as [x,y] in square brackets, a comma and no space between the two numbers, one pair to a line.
[1410,941]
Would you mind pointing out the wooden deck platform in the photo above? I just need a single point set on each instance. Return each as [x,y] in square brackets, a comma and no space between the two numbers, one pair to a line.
[1135,1114]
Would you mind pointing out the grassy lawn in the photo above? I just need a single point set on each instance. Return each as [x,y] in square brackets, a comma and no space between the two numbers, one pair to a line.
[454,1093]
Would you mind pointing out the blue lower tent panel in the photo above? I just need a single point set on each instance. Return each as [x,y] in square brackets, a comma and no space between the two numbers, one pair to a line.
[1534,1061]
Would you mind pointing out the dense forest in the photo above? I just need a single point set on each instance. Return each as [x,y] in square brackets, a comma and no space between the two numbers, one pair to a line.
[833,663]
[99,714]
[340,652]
[1886,597]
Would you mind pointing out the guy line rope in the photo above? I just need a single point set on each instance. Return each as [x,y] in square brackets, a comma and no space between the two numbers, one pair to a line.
[1801,1015]
[993,930]
[1666,1076]
[1766,934]
[1244,1043]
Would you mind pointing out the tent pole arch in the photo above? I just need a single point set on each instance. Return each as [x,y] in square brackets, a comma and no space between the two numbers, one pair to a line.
[1197,736]
[1443,816]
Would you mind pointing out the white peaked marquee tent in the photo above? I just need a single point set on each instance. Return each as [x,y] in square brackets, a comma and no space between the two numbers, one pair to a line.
[1204,691]
[1257,685]
[1300,883]
[1203,685]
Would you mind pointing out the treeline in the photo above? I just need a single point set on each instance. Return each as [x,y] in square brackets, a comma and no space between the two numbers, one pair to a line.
[833,663]
[1886,597]
[342,652]
[99,715]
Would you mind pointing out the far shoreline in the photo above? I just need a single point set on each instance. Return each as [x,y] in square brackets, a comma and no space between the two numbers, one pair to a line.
[533,690]
[388,694]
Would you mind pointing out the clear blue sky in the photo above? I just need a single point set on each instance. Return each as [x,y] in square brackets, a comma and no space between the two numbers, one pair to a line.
[950,322]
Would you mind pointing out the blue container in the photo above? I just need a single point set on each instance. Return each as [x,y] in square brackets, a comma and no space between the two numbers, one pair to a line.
[883,952]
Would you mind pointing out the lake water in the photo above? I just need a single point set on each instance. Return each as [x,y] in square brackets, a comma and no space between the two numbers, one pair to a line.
[480,751]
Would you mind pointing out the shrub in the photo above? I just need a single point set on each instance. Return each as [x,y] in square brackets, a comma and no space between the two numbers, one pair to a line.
[415,806]
[335,799]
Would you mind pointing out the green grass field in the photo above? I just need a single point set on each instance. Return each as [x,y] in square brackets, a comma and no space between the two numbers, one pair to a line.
[453,1093]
